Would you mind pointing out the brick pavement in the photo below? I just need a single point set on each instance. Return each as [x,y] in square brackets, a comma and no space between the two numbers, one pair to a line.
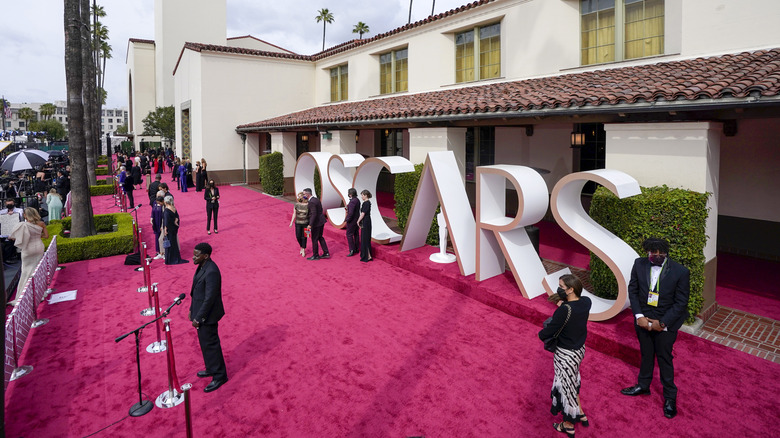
[746,332]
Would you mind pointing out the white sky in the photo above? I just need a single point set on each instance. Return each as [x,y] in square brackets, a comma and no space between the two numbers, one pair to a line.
[32,45]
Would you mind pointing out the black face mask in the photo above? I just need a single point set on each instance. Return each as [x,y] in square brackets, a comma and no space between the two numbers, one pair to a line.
[657,260]
[561,293]
[9,206]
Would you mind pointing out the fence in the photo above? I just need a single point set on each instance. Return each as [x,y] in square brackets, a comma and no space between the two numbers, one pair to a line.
[21,319]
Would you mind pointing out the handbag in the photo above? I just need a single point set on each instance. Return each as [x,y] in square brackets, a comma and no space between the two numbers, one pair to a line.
[166,242]
[551,343]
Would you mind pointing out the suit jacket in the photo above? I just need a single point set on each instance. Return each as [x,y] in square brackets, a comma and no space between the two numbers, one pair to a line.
[154,187]
[674,288]
[353,211]
[207,195]
[316,217]
[206,305]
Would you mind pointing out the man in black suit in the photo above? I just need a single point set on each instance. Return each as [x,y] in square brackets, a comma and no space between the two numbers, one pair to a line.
[154,187]
[316,226]
[62,184]
[658,292]
[353,211]
[206,310]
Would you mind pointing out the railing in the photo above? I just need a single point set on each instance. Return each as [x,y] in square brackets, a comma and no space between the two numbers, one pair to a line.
[24,315]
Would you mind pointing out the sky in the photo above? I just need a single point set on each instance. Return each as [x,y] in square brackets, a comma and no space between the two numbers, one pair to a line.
[32,44]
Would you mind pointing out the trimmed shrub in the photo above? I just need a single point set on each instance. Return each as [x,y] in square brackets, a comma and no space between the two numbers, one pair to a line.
[102,159]
[405,189]
[101,171]
[101,189]
[677,215]
[271,172]
[99,245]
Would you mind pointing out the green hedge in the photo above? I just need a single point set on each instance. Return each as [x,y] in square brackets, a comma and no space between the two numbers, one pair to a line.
[271,173]
[127,147]
[102,159]
[101,171]
[405,189]
[99,245]
[676,215]
[102,182]
[100,190]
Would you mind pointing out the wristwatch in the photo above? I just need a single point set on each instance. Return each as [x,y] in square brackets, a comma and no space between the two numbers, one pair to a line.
[661,323]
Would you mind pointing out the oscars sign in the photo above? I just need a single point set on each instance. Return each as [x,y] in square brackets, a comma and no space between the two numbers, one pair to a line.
[485,244]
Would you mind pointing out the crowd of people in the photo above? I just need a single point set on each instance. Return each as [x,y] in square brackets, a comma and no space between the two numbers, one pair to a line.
[309,221]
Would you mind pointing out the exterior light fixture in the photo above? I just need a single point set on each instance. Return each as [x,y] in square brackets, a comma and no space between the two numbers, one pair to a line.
[577,138]
[304,137]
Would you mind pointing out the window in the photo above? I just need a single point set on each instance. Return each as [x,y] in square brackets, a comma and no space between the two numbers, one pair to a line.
[480,149]
[391,143]
[21,124]
[485,41]
[339,83]
[592,155]
[393,71]
[634,29]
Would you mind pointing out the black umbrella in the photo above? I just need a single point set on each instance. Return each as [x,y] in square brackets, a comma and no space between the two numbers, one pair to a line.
[56,153]
[23,160]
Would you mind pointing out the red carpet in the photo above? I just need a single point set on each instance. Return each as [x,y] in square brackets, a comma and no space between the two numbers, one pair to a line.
[342,348]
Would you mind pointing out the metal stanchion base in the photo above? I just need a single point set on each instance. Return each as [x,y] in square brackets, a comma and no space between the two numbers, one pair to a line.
[60,268]
[39,322]
[142,289]
[157,347]
[141,408]
[148,311]
[21,371]
[48,292]
[139,269]
[165,400]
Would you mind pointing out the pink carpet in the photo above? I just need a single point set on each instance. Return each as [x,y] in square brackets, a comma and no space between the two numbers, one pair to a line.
[342,348]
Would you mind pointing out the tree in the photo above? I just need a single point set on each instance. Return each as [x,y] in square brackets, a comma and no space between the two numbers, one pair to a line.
[121,129]
[53,128]
[26,114]
[47,110]
[161,122]
[326,17]
[82,223]
[361,28]
[92,117]
[433,6]
[410,11]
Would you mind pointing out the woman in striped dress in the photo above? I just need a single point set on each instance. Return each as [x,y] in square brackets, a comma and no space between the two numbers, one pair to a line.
[570,321]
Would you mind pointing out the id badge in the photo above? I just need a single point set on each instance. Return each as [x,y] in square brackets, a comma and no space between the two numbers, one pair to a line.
[652,299]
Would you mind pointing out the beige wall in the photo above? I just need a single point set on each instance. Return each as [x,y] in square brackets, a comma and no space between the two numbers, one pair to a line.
[248,42]
[749,168]
[226,90]
[141,83]
[729,25]
[180,21]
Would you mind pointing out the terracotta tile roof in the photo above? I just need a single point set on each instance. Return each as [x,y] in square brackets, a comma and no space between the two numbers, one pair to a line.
[139,40]
[740,75]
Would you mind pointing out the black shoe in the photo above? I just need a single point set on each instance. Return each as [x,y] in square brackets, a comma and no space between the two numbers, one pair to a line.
[325,256]
[214,385]
[670,408]
[635,390]
[203,374]
[351,253]
[314,257]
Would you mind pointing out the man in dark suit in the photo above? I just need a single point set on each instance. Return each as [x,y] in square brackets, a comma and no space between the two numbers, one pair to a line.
[62,184]
[154,187]
[353,212]
[658,292]
[206,310]
[316,226]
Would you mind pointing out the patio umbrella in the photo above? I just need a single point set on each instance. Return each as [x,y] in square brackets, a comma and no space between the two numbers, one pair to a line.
[23,160]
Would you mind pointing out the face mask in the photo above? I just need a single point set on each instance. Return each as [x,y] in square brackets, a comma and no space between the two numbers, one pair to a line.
[10,206]
[657,260]
[561,293]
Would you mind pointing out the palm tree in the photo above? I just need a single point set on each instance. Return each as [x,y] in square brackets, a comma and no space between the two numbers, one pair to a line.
[82,223]
[410,11]
[361,28]
[26,114]
[433,6]
[326,17]
[47,110]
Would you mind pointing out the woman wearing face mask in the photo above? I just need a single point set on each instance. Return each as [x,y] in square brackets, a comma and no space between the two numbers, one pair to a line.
[570,323]
[212,205]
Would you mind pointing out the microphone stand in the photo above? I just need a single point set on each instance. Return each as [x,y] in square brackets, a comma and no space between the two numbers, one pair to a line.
[143,406]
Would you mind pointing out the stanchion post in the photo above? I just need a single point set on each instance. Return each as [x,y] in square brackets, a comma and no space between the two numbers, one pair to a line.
[23,370]
[170,397]
[187,410]
[36,322]
[159,346]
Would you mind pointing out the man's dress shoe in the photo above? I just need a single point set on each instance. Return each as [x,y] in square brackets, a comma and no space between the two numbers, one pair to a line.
[635,390]
[351,253]
[203,374]
[315,257]
[215,384]
[670,408]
